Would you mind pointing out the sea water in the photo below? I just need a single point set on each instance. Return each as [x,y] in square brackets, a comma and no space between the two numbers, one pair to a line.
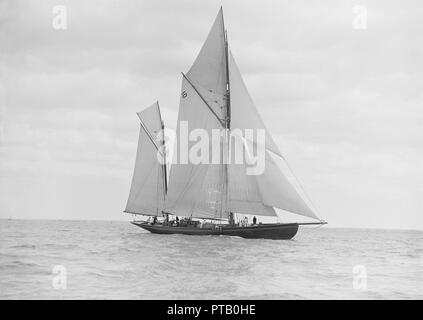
[116,260]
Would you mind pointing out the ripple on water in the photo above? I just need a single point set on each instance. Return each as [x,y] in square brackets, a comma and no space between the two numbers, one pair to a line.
[118,260]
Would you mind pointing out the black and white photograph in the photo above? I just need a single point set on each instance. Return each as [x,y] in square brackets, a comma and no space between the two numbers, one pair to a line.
[211,150]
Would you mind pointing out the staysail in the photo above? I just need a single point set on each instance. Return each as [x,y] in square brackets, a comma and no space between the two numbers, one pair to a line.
[244,193]
[274,188]
[148,187]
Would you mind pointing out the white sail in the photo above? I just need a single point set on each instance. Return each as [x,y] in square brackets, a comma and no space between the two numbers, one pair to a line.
[151,119]
[147,191]
[278,191]
[274,188]
[244,192]
[197,190]
[208,72]
[244,114]
[194,189]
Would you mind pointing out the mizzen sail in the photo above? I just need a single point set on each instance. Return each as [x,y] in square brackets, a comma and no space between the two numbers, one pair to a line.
[147,191]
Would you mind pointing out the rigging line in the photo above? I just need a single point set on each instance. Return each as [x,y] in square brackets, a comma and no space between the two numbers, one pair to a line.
[222,188]
[140,189]
[274,152]
[164,165]
[149,134]
[255,144]
[227,118]
[189,184]
[222,123]
[140,214]
[157,191]
[293,174]
[302,188]
[195,171]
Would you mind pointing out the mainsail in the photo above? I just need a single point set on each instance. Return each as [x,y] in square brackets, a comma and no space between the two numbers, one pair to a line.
[196,190]
[148,187]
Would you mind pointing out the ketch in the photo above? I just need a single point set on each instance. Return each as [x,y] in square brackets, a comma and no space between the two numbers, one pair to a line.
[213,198]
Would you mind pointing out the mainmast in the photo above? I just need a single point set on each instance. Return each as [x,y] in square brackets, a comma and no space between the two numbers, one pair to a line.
[227,121]
[228,98]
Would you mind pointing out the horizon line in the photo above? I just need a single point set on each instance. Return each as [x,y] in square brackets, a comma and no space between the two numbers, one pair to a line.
[115,220]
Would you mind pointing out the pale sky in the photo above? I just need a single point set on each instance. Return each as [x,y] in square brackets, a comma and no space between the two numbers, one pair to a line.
[343,104]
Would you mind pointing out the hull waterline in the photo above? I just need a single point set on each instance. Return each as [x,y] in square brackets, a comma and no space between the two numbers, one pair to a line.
[276,231]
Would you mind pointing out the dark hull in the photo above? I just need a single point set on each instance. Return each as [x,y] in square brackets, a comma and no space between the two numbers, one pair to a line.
[275,231]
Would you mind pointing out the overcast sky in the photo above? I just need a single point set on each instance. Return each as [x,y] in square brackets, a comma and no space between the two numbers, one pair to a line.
[343,104]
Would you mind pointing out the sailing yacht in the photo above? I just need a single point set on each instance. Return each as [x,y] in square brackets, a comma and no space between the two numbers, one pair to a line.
[208,198]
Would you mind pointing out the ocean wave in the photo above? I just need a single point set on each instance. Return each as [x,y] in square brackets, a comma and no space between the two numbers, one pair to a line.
[112,260]
[18,264]
[24,246]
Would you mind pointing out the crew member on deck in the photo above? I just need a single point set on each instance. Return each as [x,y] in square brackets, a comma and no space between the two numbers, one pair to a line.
[245,222]
[231,218]
[254,220]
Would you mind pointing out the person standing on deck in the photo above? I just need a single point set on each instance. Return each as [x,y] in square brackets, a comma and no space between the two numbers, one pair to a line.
[254,220]
[231,219]
[245,222]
